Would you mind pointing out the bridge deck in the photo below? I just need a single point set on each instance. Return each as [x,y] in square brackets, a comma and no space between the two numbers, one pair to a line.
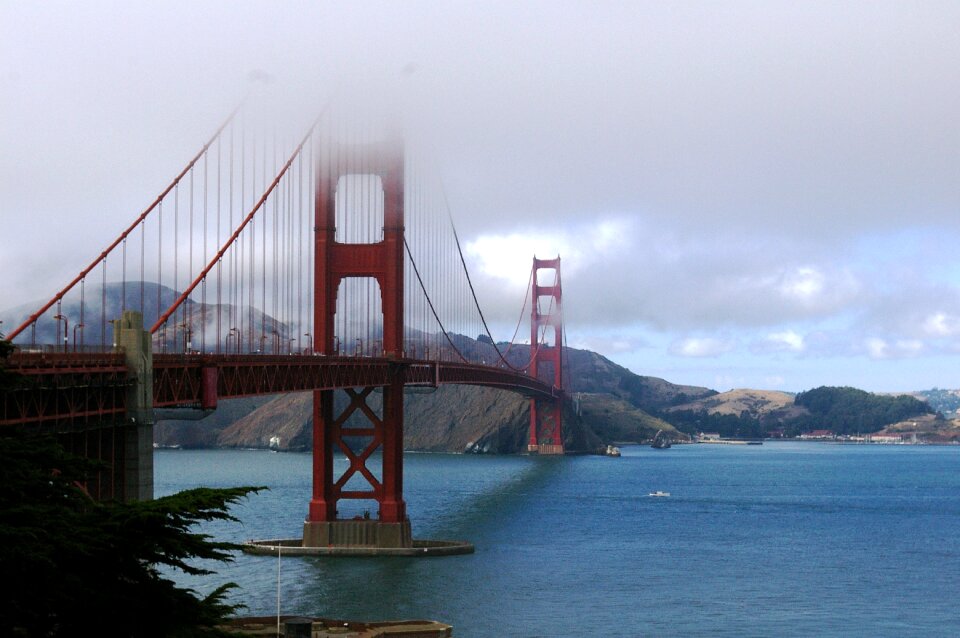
[77,388]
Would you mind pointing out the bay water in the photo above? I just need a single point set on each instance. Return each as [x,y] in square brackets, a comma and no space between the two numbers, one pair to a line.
[782,539]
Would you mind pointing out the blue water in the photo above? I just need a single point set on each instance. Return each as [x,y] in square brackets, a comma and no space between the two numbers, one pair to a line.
[783,539]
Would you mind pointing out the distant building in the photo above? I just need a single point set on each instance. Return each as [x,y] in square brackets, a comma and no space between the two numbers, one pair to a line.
[709,436]
[885,438]
[818,434]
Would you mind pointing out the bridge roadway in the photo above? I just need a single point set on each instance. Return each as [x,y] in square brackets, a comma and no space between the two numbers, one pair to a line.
[76,389]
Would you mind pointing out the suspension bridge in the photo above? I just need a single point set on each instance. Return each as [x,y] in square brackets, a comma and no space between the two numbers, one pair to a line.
[273,263]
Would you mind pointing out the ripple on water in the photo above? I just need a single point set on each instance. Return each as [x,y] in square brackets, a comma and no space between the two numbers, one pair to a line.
[786,539]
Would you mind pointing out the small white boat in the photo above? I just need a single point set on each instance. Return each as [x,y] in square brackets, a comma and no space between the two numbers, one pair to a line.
[658,493]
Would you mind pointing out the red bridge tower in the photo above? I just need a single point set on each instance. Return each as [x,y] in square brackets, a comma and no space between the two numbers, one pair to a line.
[383,261]
[546,343]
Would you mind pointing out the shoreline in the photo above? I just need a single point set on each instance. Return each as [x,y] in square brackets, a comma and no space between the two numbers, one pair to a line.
[319,627]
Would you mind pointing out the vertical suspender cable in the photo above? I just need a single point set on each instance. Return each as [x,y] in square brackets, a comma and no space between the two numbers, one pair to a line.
[143,254]
[203,289]
[299,230]
[83,304]
[103,305]
[159,257]
[123,276]
[176,259]
[263,252]
[219,262]
[258,207]
[188,317]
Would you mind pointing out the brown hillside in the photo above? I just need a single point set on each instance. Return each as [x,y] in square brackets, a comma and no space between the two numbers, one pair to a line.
[756,403]
[448,419]
[617,421]
[286,416]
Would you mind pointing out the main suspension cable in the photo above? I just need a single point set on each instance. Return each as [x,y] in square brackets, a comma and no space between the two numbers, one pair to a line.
[101,258]
[430,302]
[476,302]
[256,207]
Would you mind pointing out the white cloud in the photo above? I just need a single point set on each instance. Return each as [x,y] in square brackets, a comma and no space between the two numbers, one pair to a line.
[700,170]
[940,324]
[609,344]
[879,348]
[788,340]
[803,284]
[702,347]
[508,256]
[876,347]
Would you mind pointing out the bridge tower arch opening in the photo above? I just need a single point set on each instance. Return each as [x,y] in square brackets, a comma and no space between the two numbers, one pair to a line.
[546,360]
[353,180]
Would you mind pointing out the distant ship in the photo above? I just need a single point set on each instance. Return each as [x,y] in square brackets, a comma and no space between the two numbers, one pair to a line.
[660,441]
[612,450]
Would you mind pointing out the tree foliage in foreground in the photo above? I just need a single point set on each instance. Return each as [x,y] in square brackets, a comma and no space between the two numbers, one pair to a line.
[7,379]
[72,566]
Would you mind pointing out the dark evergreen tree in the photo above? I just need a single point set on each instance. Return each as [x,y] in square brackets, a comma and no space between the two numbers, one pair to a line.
[848,410]
[76,567]
[6,378]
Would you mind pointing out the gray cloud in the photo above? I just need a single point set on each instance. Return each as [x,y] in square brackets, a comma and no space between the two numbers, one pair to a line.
[744,153]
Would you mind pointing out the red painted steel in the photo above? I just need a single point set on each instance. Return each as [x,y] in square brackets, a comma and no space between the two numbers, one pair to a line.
[546,432]
[64,390]
[323,504]
[208,388]
[383,261]
[69,387]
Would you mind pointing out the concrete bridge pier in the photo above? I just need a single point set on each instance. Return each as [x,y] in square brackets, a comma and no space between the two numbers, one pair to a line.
[137,430]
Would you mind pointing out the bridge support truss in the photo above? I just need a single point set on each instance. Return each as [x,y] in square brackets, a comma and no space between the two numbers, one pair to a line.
[97,405]
[546,342]
[383,261]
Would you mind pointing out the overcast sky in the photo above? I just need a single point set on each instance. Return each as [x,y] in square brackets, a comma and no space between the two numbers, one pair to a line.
[744,194]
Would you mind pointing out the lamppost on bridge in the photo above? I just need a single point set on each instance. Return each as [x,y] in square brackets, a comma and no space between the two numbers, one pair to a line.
[78,325]
[358,352]
[66,330]
[309,342]
[187,337]
[233,331]
[290,341]
[276,341]
[263,338]
[336,345]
